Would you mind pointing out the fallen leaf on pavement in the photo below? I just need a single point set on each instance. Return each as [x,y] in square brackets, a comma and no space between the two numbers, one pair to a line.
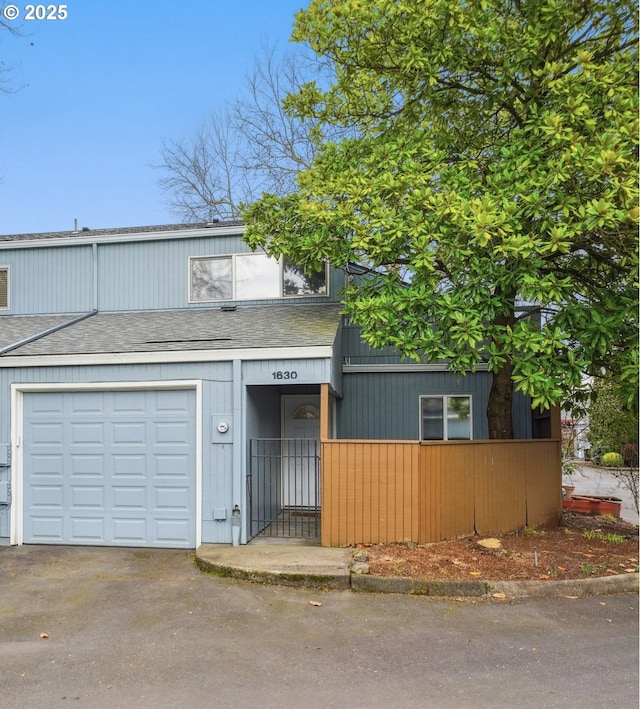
[315,603]
[499,595]
[44,635]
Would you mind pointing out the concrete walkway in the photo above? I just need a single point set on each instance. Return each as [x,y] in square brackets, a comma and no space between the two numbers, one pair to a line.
[330,569]
[286,564]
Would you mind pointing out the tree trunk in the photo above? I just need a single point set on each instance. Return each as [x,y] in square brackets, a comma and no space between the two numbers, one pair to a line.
[500,406]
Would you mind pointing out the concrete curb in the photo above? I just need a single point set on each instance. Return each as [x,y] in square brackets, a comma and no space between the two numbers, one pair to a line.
[417,587]
[580,588]
[342,579]
[600,586]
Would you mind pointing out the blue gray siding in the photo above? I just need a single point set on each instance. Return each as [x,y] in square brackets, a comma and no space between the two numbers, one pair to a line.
[385,405]
[125,276]
[49,280]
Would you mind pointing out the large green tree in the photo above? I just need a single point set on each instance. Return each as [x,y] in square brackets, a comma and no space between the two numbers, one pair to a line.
[486,183]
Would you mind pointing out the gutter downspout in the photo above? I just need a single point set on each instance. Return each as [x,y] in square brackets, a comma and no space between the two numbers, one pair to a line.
[95,277]
[44,333]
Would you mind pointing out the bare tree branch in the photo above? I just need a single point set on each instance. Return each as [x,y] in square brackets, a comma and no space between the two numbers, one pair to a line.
[247,148]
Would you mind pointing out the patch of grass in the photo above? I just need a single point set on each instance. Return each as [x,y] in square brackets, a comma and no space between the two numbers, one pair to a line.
[610,518]
[531,530]
[603,536]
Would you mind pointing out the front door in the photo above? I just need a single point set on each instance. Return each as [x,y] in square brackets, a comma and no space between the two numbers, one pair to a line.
[300,450]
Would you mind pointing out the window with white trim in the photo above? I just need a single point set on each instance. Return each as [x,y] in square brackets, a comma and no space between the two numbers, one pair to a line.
[445,418]
[250,277]
[4,288]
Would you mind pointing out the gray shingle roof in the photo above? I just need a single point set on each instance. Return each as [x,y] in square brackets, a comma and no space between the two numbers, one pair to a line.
[90,233]
[197,329]
[14,328]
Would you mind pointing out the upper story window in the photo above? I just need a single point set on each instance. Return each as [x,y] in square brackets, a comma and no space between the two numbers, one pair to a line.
[249,277]
[445,418]
[4,287]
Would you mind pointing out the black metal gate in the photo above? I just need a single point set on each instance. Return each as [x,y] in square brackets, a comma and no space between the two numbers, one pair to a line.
[283,488]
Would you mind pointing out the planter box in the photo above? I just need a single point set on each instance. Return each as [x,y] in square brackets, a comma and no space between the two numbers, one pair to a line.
[593,505]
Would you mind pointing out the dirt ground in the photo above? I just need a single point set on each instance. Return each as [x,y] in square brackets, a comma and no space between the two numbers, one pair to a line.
[581,547]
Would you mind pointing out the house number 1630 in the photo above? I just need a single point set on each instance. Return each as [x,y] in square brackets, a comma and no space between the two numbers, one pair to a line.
[284,374]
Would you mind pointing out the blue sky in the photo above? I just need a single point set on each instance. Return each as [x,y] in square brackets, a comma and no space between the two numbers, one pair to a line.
[94,96]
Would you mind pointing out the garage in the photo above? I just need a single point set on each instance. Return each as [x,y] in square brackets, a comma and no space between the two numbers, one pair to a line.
[110,467]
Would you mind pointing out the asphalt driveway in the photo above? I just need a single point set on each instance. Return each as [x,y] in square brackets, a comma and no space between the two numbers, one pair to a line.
[144,628]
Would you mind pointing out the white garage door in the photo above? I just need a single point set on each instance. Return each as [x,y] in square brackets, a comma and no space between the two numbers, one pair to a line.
[110,468]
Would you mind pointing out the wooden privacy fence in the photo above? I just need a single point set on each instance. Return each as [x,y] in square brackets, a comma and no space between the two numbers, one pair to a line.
[408,491]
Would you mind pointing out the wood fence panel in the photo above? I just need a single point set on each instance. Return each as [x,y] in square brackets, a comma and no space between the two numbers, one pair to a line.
[544,484]
[430,487]
[447,479]
[500,504]
[370,492]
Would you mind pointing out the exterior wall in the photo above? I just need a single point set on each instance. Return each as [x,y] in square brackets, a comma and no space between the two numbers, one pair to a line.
[122,276]
[249,410]
[401,491]
[217,397]
[385,405]
[49,280]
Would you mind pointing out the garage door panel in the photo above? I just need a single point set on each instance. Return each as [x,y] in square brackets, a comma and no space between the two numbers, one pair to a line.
[46,434]
[172,465]
[48,529]
[87,465]
[168,532]
[177,401]
[47,464]
[88,530]
[129,498]
[83,402]
[129,465]
[130,433]
[53,404]
[171,498]
[87,433]
[130,531]
[85,496]
[171,432]
[129,402]
[50,497]
[125,477]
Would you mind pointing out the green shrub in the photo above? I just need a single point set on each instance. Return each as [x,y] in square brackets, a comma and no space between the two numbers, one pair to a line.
[612,460]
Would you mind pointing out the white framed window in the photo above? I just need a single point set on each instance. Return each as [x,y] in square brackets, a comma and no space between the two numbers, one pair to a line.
[249,277]
[4,287]
[446,418]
